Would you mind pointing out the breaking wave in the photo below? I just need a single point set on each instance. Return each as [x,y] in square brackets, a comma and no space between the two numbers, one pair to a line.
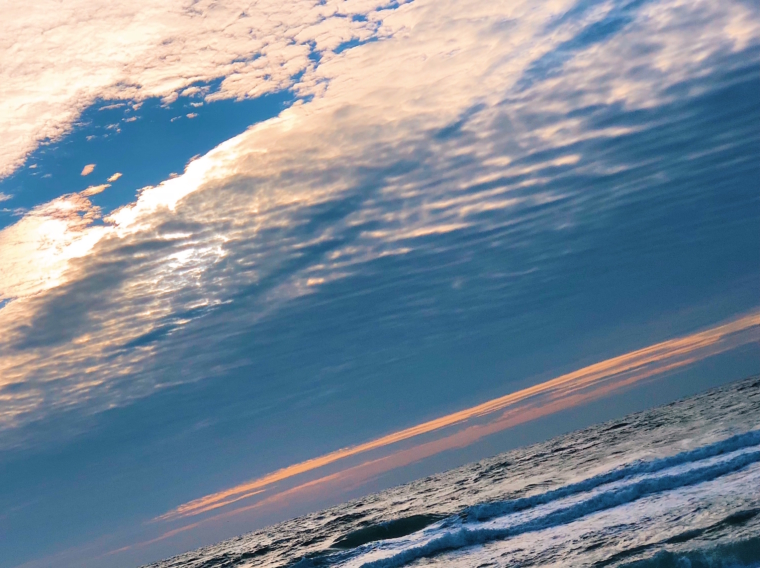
[693,509]
[387,530]
[742,554]
[489,510]
[459,532]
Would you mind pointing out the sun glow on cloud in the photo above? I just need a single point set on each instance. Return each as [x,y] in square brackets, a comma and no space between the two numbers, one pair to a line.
[36,250]
[562,392]
[454,121]
[95,189]
[66,59]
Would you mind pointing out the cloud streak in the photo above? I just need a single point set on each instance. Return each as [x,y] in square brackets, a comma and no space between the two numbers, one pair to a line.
[559,393]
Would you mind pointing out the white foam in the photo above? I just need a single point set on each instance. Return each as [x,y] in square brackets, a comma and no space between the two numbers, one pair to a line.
[590,496]
[489,510]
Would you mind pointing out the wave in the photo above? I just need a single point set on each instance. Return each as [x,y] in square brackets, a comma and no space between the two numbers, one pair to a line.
[468,534]
[731,521]
[486,511]
[387,530]
[742,554]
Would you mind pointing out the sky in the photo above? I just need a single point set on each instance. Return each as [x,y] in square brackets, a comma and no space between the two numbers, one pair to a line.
[260,258]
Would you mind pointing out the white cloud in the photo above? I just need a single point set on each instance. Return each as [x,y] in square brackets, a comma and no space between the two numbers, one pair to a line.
[430,131]
[36,250]
[64,58]
[88,169]
[95,189]
[5,197]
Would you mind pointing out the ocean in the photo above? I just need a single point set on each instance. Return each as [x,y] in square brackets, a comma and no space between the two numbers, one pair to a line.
[676,486]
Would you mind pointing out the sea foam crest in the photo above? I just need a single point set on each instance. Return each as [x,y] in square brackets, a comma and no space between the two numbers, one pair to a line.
[485,511]
[449,536]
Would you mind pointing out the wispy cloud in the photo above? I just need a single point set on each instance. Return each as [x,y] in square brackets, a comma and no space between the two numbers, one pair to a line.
[88,169]
[395,153]
[559,393]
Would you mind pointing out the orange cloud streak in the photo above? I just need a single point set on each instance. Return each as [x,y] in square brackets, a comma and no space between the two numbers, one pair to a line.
[357,475]
[645,362]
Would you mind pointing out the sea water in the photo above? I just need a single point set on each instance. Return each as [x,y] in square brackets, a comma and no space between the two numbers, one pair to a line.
[675,486]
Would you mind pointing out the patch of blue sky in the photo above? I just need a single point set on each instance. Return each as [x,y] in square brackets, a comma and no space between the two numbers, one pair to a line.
[314,55]
[146,143]
[355,42]
[582,8]
[614,21]
[392,5]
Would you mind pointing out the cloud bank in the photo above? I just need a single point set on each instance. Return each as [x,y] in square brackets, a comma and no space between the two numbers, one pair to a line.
[62,59]
[465,120]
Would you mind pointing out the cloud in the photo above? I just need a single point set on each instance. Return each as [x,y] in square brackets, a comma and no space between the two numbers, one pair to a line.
[623,370]
[68,59]
[95,189]
[427,141]
[88,169]
[114,177]
[5,197]
[36,250]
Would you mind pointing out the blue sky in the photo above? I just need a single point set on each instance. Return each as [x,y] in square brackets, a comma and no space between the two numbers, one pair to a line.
[157,138]
[337,224]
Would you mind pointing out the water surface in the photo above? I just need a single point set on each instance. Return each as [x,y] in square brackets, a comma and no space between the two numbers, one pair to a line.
[674,486]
